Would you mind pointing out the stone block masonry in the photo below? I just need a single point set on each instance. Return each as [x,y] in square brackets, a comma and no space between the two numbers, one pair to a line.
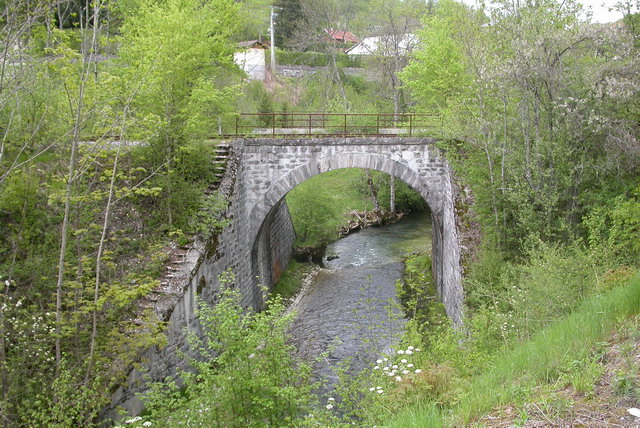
[257,243]
[271,168]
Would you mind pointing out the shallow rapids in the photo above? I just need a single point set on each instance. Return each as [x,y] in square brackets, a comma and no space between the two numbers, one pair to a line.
[349,310]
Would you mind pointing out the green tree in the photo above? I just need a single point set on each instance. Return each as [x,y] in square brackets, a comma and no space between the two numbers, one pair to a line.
[252,380]
[530,90]
[180,54]
[289,21]
[395,24]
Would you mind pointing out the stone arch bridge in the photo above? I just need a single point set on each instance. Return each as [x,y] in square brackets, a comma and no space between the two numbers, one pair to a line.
[258,240]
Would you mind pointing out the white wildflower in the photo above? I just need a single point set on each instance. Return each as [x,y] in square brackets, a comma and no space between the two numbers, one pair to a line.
[329,406]
[418,371]
[401,352]
[398,378]
[403,361]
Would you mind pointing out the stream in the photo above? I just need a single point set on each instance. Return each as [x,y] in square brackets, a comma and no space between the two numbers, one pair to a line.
[349,309]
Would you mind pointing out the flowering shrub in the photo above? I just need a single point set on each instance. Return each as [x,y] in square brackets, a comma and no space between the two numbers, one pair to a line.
[370,395]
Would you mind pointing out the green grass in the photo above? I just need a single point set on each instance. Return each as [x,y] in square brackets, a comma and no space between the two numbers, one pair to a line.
[514,373]
[291,279]
[319,205]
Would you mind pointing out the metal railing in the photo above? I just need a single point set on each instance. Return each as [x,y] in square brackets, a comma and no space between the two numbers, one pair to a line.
[308,125]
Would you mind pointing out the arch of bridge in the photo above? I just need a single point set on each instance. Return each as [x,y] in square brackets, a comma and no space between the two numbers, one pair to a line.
[291,178]
[271,168]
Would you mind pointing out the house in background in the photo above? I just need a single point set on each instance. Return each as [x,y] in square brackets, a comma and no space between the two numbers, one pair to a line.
[342,38]
[388,45]
[251,59]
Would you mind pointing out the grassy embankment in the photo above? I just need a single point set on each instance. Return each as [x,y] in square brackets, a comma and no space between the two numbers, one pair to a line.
[526,372]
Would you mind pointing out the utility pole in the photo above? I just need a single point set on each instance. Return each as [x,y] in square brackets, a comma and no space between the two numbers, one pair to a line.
[273,42]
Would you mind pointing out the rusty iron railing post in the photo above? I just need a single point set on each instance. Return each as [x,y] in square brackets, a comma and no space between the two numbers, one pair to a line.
[410,124]
[309,124]
[273,125]
[344,129]
[237,120]
[378,124]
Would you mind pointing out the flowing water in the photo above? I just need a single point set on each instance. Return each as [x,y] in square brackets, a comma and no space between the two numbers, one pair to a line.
[349,310]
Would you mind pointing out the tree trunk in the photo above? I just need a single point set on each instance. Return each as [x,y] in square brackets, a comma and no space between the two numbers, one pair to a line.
[86,70]
[336,75]
[79,272]
[63,232]
[374,192]
[392,194]
[96,290]
[3,365]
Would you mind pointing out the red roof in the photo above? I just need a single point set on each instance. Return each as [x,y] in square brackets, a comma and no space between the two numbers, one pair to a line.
[256,44]
[341,36]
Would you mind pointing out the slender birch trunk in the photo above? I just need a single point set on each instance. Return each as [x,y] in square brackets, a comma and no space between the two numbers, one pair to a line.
[78,113]
[392,194]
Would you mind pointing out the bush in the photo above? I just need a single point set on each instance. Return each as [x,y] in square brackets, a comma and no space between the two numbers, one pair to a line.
[614,229]
[316,59]
[522,298]
[253,379]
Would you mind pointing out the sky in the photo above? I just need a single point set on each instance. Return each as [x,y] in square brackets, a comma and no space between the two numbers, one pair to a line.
[600,9]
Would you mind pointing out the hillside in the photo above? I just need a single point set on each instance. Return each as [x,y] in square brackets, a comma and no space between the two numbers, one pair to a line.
[110,120]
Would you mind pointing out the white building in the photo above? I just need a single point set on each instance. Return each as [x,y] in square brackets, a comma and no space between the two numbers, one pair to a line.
[385,45]
[252,62]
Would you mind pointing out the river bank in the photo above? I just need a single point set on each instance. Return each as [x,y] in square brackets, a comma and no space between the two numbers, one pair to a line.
[355,222]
